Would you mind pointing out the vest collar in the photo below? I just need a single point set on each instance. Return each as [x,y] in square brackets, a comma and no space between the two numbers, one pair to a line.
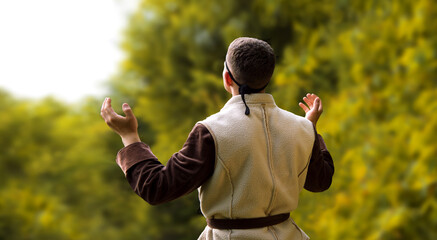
[254,98]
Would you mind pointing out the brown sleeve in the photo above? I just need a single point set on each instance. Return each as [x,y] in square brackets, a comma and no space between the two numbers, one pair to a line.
[321,167]
[185,171]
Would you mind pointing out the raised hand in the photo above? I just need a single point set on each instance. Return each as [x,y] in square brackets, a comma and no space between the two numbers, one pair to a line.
[126,127]
[314,108]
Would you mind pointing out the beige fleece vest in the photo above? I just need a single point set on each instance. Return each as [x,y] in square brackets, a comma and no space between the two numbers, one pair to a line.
[261,166]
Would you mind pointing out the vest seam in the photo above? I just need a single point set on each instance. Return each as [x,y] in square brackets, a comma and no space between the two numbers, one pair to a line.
[213,137]
[219,160]
[272,231]
[298,228]
[306,166]
[228,174]
[269,158]
[308,163]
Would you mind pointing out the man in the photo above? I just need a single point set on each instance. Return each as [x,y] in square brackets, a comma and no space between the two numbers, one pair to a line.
[249,161]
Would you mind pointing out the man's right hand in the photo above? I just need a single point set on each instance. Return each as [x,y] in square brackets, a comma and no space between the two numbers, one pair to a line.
[126,127]
[314,108]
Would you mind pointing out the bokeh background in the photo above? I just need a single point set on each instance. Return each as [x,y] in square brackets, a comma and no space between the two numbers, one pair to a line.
[373,63]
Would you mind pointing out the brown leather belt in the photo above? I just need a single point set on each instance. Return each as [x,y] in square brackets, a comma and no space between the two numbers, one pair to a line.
[247,223]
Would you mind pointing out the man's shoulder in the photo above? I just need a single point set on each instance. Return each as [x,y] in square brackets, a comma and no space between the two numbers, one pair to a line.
[293,116]
[212,118]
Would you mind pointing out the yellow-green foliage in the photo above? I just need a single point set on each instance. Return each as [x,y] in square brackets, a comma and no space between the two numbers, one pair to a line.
[373,63]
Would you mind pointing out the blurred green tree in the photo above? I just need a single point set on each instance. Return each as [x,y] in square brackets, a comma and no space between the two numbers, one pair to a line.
[374,64]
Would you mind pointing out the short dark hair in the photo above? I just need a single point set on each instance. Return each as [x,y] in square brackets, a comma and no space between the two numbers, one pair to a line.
[252,61]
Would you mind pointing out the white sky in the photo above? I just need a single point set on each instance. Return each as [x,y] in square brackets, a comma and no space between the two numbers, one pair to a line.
[63,48]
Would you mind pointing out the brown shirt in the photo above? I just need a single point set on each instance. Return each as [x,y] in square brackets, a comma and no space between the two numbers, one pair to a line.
[189,168]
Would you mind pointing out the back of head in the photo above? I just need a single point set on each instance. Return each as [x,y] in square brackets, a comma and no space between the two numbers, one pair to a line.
[252,61]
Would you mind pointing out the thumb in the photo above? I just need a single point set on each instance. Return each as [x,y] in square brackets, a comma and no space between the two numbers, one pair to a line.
[128,111]
[317,104]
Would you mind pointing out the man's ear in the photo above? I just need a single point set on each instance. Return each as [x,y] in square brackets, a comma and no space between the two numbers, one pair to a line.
[228,79]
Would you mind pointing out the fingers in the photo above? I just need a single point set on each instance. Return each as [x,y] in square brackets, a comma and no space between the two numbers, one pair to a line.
[320,106]
[312,102]
[108,102]
[103,109]
[317,104]
[109,107]
[128,111]
[312,97]
[308,101]
[103,106]
[107,112]
[304,107]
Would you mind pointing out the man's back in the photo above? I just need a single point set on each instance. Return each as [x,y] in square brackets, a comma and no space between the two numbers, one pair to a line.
[261,163]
